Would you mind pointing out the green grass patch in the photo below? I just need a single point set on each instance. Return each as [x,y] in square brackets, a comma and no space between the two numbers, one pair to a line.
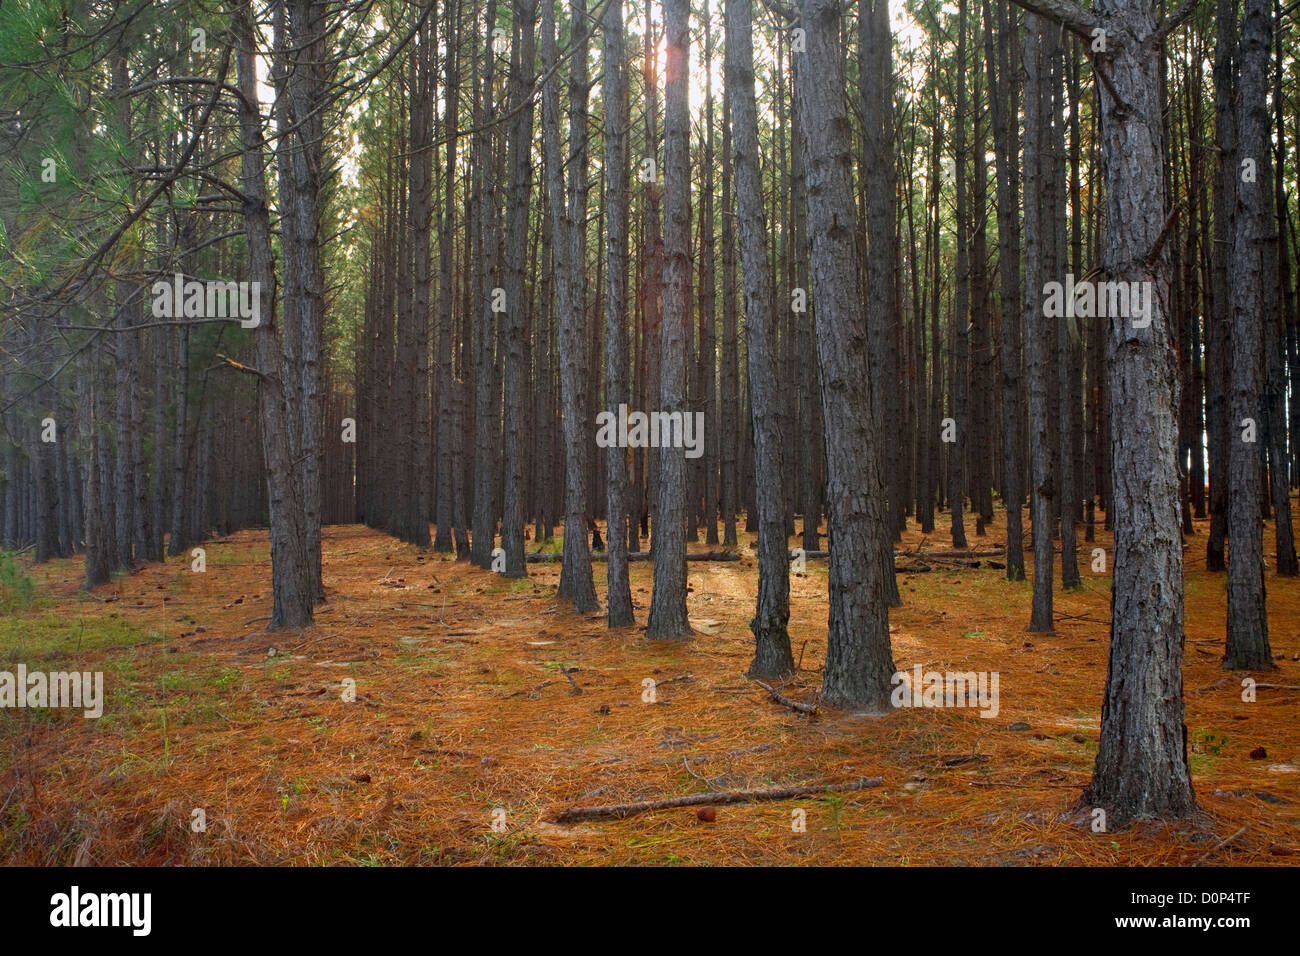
[47,635]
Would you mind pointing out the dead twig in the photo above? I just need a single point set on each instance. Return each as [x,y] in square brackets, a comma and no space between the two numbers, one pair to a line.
[576,689]
[687,764]
[1221,844]
[673,680]
[530,690]
[795,705]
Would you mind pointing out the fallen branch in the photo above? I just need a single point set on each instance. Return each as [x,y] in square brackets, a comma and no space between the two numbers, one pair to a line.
[447,752]
[951,557]
[576,689]
[782,699]
[953,553]
[530,690]
[619,811]
[1221,844]
[547,558]
[673,680]
[687,764]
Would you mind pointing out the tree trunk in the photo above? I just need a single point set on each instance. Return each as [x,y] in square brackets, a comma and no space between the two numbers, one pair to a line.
[876,68]
[772,654]
[522,50]
[1006,151]
[960,383]
[1218,352]
[730,377]
[292,582]
[1141,769]
[668,599]
[859,663]
[1037,234]
[487,426]
[1253,241]
[566,218]
[448,457]
[614,85]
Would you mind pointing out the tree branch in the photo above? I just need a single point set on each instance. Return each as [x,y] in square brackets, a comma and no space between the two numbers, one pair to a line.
[239,367]
[1172,22]
[1072,16]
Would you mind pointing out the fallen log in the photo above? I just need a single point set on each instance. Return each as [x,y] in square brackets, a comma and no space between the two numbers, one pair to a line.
[619,811]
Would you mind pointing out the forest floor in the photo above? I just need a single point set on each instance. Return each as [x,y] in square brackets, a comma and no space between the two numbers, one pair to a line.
[462,709]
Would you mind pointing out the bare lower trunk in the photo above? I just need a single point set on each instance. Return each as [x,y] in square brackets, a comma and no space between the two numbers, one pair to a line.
[859,662]
[1247,643]
[1005,161]
[292,585]
[1042,490]
[516,368]
[1141,769]
[668,599]
[566,219]
[614,83]
[772,655]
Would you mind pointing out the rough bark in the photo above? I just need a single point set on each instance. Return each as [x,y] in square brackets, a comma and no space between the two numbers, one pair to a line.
[877,81]
[772,654]
[1006,163]
[522,50]
[487,426]
[1141,769]
[859,663]
[614,85]
[566,219]
[960,383]
[292,583]
[667,618]
[730,376]
[1218,352]
[1253,240]
[1039,329]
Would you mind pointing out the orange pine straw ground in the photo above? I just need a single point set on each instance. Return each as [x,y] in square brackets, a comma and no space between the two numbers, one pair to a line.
[461,709]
